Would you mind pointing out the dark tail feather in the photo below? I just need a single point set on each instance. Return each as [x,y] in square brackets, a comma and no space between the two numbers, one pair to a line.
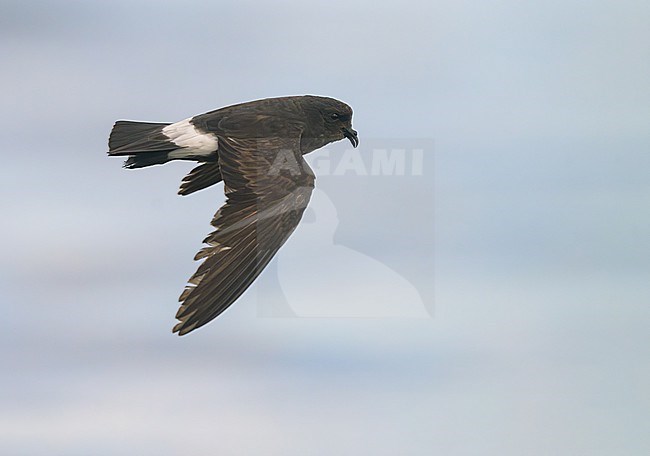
[137,136]
[146,159]
[143,142]
[201,177]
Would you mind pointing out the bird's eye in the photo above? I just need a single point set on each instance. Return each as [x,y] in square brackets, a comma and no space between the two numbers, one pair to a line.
[334,116]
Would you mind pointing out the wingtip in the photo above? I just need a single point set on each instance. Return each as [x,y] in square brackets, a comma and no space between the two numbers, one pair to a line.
[178,328]
[182,329]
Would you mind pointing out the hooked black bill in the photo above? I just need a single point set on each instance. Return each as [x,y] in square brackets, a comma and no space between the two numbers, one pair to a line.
[352,136]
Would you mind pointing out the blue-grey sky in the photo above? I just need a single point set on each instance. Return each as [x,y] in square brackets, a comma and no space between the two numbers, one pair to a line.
[494,303]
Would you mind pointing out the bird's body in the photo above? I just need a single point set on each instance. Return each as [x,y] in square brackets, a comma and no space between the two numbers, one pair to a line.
[256,148]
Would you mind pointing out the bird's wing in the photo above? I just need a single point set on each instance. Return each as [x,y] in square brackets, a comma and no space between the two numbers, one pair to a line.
[268,185]
[203,176]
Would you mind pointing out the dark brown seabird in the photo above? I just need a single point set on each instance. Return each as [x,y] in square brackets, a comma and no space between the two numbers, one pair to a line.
[256,149]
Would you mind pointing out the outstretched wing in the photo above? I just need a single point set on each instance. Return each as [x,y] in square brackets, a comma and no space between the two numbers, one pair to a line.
[268,185]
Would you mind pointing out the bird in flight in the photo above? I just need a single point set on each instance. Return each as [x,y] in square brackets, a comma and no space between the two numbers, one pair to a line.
[256,149]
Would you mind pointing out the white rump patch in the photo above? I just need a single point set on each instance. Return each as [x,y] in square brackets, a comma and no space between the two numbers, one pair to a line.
[190,140]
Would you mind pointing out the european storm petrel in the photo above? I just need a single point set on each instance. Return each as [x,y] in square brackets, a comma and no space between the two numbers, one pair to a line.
[256,149]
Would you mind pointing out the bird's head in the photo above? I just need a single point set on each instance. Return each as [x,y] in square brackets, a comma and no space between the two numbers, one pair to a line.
[334,119]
